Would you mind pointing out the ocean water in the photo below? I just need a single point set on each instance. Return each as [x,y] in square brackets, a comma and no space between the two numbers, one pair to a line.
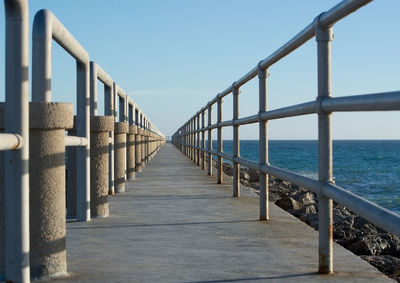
[369,168]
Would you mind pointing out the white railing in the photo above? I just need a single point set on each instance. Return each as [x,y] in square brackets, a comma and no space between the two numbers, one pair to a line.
[15,139]
[187,137]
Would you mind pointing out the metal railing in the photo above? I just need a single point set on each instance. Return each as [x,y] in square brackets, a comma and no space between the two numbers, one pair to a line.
[16,185]
[15,140]
[187,137]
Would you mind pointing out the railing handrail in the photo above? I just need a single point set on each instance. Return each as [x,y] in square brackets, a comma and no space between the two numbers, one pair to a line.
[325,19]
[187,137]
[16,175]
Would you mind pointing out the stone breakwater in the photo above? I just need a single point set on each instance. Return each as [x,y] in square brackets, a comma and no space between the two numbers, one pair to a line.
[378,247]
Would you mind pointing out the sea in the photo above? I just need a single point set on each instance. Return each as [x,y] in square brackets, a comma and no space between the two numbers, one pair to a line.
[368,168]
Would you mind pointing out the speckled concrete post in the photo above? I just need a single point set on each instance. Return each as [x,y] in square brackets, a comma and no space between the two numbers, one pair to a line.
[130,152]
[150,146]
[71,176]
[138,150]
[120,131]
[2,204]
[153,145]
[100,126]
[144,147]
[48,122]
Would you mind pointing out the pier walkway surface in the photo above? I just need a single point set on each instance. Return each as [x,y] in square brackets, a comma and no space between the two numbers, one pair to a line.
[175,224]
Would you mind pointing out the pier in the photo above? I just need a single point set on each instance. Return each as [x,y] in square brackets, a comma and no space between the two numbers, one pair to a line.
[93,198]
[175,224]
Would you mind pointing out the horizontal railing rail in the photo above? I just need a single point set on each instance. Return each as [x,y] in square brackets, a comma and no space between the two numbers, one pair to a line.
[75,141]
[11,142]
[190,137]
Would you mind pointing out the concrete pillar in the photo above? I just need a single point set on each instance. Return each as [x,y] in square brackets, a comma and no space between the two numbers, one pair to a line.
[147,146]
[2,204]
[71,176]
[100,126]
[150,146]
[130,153]
[143,161]
[144,148]
[48,122]
[149,143]
[154,142]
[120,131]
[138,150]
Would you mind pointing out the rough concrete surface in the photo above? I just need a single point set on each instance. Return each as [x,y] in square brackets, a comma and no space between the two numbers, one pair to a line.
[100,126]
[120,131]
[138,150]
[175,224]
[130,152]
[144,147]
[48,122]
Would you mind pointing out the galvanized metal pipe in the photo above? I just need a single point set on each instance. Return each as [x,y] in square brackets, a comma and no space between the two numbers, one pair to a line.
[247,163]
[17,122]
[11,141]
[198,139]
[368,102]
[236,143]
[75,141]
[219,142]
[203,141]
[323,106]
[325,216]
[225,156]
[97,73]
[263,144]
[192,141]
[45,28]
[83,152]
[93,89]
[330,17]
[372,212]
[209,145]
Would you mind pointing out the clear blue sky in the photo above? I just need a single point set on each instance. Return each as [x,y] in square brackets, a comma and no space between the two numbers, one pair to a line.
[172,57]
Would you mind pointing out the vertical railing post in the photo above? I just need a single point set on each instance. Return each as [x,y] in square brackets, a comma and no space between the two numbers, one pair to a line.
[109,111]
[209,146]
[16,175]
[190,140]
[236,142]
[198,139]
[263,143]
[219,144]
[193,140]
[181,139]
[93,89]
[203,141]
[83,152]
[324,37]
[186,140]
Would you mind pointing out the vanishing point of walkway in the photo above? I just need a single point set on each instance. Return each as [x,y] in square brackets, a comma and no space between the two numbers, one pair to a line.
[174,224]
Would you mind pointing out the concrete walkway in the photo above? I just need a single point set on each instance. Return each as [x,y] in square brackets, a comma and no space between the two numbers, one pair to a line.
[174,224]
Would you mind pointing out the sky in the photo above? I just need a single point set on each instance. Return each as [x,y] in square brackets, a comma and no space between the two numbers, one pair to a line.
[173,56]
